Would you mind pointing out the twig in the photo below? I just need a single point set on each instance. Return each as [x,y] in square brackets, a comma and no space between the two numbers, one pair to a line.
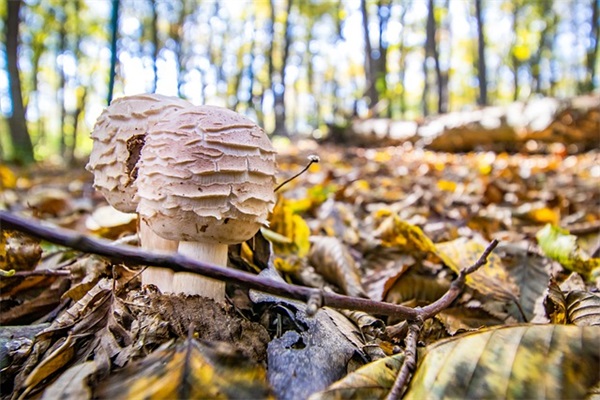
[179,263]
[311,160]
[410,361]
[457,285]
[414,326]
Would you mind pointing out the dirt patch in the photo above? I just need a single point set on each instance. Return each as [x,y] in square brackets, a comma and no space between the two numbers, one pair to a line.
[210,322]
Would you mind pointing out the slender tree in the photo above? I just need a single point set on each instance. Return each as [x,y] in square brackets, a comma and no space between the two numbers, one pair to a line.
[370,67]
[114,29]
[278,86]
[592,52]
[155,43]
[21,141]
[431,52]
[482,100]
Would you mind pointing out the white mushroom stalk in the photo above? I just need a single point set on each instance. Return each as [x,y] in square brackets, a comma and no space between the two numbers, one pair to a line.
[118,138]
[206,179]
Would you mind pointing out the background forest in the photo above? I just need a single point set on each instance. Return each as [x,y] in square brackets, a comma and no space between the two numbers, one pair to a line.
[295,66]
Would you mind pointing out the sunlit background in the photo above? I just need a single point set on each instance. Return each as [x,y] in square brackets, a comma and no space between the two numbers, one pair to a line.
[295,66]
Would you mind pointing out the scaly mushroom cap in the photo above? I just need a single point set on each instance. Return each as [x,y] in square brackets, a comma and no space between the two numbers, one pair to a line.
[118,137]
[206,174]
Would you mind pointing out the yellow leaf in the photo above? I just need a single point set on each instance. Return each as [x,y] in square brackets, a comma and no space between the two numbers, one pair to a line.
[491,279]
[395,232]
[524,362]
[447,186]
[544,215]
[188,370]
[8,180]
[286,223]
[371,381]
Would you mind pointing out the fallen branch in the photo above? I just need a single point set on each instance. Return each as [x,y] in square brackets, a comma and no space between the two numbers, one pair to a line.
[179,263]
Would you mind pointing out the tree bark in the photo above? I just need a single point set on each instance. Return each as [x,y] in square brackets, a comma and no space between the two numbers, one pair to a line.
[481,70]
[592,55]
[279,92]
[21,141]
[432,52]
[114,27]
[370,68]
[155,48]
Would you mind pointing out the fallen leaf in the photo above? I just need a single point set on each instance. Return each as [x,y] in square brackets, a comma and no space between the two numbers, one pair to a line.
[583,308]
[371,381]
[290,226]
[50,364]
[491,279]
[560,246]
[72,384]
[330,257]
[527,361]
[530,273]
[188,370]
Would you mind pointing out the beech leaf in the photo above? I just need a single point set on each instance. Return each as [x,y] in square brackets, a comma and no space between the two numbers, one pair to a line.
[526,361]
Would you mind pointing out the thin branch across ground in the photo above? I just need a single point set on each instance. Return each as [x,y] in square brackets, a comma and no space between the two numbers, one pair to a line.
[178,263]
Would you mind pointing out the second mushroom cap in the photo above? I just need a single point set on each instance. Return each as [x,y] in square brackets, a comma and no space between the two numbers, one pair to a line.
[206,173]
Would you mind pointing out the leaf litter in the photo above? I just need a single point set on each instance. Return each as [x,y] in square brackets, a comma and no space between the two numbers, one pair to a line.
[393,224]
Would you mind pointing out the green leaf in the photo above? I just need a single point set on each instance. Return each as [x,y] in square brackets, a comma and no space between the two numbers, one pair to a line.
[559,245]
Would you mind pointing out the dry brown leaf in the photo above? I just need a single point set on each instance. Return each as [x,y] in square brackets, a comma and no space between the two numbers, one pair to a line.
[583,308]
[330,257]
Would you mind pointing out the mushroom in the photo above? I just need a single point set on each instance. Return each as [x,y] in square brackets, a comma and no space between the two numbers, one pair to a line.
[118,138]
[206,179]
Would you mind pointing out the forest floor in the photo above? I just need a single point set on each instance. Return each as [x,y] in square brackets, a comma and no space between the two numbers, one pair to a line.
[393,224]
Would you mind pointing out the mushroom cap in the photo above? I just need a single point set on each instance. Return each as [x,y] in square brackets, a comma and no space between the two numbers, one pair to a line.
[206,174]
[118,138]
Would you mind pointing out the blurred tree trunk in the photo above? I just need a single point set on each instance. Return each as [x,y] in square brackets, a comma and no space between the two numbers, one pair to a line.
[114,30]
[516,63]
[592,53]
[155,45]
[339,24]
[481,70]
[384,13]
[80,91]
[60,70]
[545,43]
[370,67]
[21,142]
[178,37]
[278,86]
[402,62]
[431,52]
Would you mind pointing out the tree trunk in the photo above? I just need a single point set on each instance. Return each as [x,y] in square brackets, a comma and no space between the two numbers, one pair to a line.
[21,141]
[62,86]
[384,11]
[592,54]
[515,61]
[155,48]
[114,28]
[279,86]
[481,70]
[370,68]
[431,52]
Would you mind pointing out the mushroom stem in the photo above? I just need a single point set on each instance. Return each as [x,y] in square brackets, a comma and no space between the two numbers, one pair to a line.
[160,277]
[190,283]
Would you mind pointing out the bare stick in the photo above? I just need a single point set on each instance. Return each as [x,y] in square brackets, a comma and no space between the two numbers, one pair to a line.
[311,160]
[409,364]
[179,263]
